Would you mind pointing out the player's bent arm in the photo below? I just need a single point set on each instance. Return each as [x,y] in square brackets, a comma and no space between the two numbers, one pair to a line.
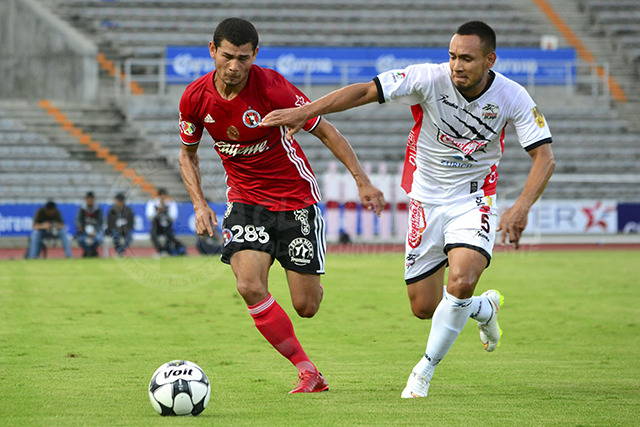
[541,170]
[340,100]
[371,196]
[348,97]
[514,220]
[192,178]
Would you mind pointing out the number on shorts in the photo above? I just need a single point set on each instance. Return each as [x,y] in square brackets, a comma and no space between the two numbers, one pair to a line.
[484,222]
[250,232]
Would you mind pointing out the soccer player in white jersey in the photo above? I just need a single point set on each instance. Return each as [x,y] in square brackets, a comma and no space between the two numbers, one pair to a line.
[461,111]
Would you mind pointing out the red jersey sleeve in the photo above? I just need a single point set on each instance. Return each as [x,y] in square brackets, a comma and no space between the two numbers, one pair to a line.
[191,126]
[286,95]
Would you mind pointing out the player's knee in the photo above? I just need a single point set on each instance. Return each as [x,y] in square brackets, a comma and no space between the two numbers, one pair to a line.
[423,310]
[307,308]
[462,283]
[250,291]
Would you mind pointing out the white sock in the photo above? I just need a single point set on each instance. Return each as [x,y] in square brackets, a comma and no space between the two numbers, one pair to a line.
[448,320]
[482,309]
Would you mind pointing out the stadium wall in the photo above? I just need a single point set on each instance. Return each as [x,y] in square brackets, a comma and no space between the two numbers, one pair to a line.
[43,57]
[592,219]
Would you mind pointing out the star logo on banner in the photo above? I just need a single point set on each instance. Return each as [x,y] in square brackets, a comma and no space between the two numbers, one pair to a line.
[597,216]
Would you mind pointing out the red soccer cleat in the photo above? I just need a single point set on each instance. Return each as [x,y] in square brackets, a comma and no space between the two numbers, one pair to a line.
[310,382]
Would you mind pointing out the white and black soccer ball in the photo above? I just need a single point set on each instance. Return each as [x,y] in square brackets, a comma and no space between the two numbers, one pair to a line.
[179,387]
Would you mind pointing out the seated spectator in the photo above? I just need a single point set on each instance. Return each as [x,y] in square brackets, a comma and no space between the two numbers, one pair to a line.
[48,224]
[89,224]
[120,224]
[162,212]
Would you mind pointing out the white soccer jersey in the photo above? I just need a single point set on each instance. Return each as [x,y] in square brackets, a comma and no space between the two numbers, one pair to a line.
[455,145]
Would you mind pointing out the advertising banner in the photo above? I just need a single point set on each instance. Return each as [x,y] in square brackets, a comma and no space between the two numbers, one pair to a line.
[629,218]
[345,65]
[17,219]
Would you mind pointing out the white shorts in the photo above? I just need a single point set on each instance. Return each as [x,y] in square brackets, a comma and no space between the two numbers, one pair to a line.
[436,229]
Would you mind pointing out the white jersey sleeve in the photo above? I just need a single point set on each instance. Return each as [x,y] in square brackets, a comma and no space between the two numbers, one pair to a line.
[531,126]
[409,86]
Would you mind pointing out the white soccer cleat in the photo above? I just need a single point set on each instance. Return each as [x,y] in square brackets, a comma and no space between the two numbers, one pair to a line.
[417,386]
[490,331]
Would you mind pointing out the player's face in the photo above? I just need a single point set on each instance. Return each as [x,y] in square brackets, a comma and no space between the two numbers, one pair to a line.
[469,64]
[233,63]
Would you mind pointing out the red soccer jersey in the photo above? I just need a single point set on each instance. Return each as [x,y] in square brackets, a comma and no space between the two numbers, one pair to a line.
[261,166]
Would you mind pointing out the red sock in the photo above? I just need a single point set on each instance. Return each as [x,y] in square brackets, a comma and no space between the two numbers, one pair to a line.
[274,324]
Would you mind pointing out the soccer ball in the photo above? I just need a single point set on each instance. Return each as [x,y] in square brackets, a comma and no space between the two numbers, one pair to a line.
[179,387]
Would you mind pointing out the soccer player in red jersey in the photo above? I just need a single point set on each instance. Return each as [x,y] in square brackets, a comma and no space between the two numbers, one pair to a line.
[272,192]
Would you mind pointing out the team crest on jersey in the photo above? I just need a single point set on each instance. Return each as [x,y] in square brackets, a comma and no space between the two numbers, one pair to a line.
[187,128]
[490,111]
[251,118]
[537,115]
[227,236]
[301,251]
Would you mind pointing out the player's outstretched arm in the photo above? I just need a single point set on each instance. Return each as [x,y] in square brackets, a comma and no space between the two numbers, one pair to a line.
[370,195]
[342,99]
[514,219]
[191,176]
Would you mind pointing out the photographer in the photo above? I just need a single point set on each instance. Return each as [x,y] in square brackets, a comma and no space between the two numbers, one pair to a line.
[89,225]
[162,213]
[48,224]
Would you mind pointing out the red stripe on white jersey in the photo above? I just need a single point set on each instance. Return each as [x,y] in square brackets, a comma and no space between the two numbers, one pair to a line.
[412,149]
[491,181]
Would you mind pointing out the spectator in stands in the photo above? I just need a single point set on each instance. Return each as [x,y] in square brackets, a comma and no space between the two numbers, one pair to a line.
[272,193]
[48,224]
[461,109]
[89,226]
[162,213]
[120,224]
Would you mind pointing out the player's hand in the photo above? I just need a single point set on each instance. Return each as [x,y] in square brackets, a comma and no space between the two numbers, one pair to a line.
[372,198]
[512,223]
[205,220]
[293,118]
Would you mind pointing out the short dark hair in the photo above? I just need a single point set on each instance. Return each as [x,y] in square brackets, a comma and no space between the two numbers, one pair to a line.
[90,194]
[482,30]
[50,205]
[236,31]
[120,197]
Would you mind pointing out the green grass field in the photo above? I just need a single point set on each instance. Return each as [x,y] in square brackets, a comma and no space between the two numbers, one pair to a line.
[79,340]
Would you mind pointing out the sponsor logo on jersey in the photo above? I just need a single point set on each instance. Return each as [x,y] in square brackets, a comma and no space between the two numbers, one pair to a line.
[411,259]
[417,224]
[453,164]
[233,150]
[490,111]
[209,119]
[251,118]
[301,251]
[227,236]
[537,115]
[466,146]
[302,215]
[187,128]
